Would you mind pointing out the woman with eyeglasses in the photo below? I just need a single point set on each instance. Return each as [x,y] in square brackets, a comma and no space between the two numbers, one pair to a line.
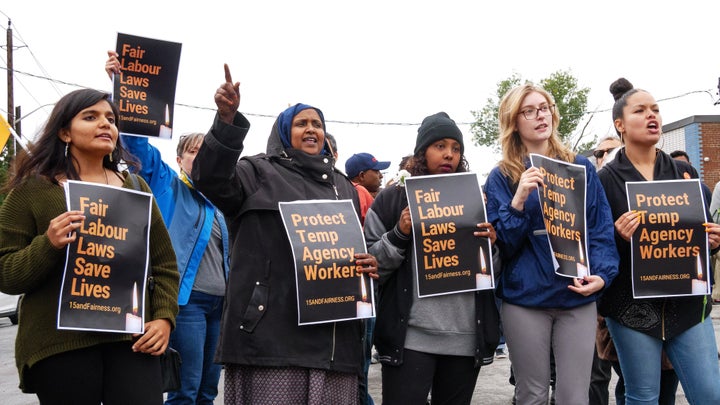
[642,328]
[542,311]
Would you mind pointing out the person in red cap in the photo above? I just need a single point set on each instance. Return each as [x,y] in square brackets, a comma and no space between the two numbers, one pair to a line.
[364,169]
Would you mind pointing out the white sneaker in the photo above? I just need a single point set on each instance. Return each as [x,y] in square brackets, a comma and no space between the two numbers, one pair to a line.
[501,353]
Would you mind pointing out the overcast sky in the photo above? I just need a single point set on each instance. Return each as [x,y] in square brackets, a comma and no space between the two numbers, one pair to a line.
[372,62]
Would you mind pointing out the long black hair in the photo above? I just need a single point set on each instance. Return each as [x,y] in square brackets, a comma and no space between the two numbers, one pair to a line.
[47,157]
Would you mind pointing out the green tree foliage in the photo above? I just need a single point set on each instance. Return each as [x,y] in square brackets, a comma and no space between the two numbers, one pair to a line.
[571,103]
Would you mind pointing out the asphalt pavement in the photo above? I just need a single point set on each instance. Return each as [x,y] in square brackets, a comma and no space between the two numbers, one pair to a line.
[492,387]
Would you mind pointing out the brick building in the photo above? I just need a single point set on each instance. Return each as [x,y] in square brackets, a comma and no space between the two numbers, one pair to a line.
[699,136]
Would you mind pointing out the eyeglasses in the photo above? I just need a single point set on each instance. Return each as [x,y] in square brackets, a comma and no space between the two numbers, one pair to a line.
[531,113]
[600,153]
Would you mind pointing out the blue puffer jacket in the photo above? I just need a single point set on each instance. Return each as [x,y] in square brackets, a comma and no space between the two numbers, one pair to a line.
[191,228]
[528,277]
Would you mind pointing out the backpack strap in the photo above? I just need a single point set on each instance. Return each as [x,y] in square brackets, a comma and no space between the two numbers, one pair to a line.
[135,182]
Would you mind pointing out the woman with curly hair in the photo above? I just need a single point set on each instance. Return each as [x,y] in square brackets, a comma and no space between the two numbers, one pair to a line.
[437,342]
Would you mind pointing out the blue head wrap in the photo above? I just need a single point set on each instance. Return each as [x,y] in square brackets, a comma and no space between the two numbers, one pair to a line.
[285,120]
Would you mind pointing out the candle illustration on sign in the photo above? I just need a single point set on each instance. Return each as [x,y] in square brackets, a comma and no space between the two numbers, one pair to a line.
[133,322]
[582,269]
[165,130]
[699,286]
[364,308]
[483,281]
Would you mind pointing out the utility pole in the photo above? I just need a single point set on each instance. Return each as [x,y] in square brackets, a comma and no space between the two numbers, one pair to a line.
[11,101]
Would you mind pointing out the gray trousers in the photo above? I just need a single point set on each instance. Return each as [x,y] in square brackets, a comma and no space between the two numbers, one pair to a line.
[531,332]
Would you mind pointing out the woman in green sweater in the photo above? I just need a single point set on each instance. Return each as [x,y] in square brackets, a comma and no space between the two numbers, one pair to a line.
[79,142]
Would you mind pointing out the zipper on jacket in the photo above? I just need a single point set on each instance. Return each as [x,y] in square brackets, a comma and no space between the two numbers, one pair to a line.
[337,196]
[201,213]
[332,354]
[662,318]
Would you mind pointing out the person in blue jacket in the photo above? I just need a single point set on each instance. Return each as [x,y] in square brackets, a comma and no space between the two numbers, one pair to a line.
[542,311]
[200,238]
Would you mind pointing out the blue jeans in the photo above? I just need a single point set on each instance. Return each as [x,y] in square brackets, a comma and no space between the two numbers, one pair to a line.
[195,337]
[693,355]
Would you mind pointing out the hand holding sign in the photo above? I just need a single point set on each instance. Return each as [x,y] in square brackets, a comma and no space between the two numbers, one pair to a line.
[486,230]
[713,231]
[587,285]
[61,230]
[155,339]
[227,98]
[626,224]
[530,180]
[405,222]
[112,66]
[366,263]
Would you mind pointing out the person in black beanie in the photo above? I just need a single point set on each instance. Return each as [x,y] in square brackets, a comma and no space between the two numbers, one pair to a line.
[436,127]
[437,342]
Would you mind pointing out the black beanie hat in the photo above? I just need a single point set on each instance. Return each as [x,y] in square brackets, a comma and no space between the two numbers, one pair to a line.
[435,127]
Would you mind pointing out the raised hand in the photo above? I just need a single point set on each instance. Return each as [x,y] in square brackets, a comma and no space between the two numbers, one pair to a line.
[112,66]
[227,98]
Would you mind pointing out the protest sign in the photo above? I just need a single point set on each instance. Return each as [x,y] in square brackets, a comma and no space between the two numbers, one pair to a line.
[563,201]
[103,287]
[325,235]
[670,254]
[145,88]
[449,258]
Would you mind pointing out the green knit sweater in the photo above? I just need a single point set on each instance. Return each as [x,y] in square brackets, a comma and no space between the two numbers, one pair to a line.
[30,265]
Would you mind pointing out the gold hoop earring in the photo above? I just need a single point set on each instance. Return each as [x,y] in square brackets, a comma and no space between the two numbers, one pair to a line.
[110,158]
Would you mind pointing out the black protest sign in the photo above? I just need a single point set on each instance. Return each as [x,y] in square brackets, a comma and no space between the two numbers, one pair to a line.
[325,235]
[449,258]
[145,88]
[103,286]
[563,207]
[670,246]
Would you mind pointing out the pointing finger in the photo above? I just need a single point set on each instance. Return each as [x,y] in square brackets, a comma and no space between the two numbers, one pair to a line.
[228,76]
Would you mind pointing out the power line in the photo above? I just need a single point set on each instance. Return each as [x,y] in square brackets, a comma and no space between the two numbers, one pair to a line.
[373,123]
[16,34]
